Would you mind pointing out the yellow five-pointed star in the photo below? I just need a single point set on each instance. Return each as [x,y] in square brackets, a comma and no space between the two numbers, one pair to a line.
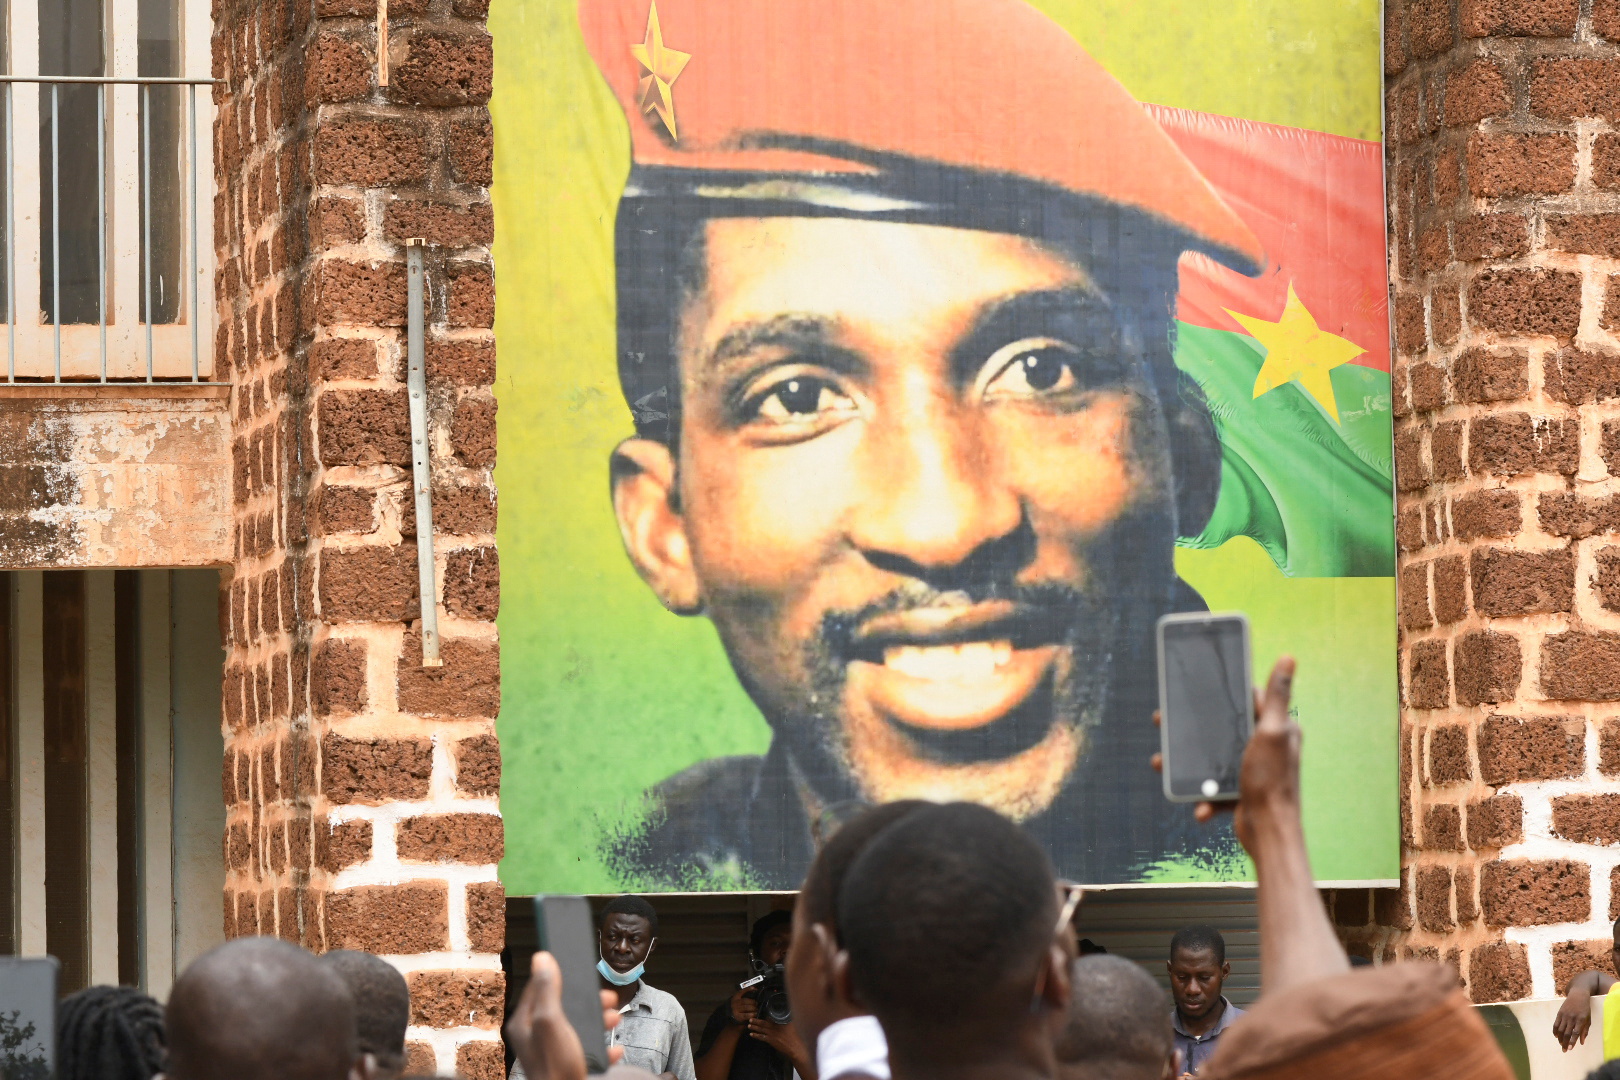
[663,66]
[1296,348]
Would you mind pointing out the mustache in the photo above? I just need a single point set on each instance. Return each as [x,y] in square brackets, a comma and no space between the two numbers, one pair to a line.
[1045,611]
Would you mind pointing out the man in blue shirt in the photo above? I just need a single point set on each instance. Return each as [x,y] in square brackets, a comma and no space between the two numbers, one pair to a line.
[1198,968]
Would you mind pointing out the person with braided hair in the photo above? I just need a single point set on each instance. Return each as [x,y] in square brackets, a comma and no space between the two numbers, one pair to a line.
[110,1033]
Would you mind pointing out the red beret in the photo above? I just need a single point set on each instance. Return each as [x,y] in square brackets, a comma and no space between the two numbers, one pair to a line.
[802,86]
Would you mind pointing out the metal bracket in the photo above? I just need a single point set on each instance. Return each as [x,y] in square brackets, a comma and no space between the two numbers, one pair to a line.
[421,471]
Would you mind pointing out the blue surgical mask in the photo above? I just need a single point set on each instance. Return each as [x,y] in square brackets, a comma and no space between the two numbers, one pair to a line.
[619,978]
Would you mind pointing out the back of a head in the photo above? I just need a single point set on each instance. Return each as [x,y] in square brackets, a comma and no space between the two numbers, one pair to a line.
[109,1033]
[1119,1022]
[382,1003]
[818,896]
[945,914]
[260,1009]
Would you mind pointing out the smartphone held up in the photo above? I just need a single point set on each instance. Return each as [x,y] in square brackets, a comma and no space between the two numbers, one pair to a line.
[568,933]
[1206,704]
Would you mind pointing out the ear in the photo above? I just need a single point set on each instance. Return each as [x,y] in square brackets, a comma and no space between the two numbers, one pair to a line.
[826,951]
[842,983]
[654,532]
[651,945]
[1226,970]
[1056,984]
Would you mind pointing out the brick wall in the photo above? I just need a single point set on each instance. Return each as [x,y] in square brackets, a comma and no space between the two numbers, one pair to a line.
[361,787]
[1504,200]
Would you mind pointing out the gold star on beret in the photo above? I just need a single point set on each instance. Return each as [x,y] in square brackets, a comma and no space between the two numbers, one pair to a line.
[663,66]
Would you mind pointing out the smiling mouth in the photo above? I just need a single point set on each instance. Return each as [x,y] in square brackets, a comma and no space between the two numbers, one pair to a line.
[955,668]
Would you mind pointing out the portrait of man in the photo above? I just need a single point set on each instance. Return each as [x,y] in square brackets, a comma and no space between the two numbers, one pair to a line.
[896,328]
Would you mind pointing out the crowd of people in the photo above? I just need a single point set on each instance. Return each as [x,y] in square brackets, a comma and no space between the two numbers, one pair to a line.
[927,941]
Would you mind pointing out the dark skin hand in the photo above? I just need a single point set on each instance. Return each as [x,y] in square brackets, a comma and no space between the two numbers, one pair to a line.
[1574,1019]
[744,1016]
[1297,943]
[540,1034]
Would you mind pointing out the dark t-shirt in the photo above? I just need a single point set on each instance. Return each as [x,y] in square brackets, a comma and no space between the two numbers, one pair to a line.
[753,1059]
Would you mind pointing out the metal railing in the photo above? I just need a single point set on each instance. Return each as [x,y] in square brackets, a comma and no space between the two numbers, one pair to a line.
[139,300]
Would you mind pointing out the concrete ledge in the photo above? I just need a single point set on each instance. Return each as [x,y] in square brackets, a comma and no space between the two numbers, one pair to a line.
[114,474]
[35,391]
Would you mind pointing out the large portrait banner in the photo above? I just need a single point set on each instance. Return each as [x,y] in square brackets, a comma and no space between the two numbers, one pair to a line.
[875,375]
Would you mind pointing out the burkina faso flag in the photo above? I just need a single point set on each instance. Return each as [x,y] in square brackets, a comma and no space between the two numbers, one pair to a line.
[1294,361]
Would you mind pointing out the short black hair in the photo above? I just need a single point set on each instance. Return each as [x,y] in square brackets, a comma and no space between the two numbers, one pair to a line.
[382,1003]
[818,896]
[764,925]
[109,1033]
[630,905]
[1199,938]
[940,910]
[1117,1013]
[1609,1070]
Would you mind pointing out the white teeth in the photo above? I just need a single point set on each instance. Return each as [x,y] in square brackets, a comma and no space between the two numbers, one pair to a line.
[965,662]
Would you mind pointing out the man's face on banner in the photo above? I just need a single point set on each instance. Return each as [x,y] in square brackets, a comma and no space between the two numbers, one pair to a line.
[920,488]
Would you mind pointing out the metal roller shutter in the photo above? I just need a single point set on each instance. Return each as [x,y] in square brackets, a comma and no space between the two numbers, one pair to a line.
[702,949]
[1138,923]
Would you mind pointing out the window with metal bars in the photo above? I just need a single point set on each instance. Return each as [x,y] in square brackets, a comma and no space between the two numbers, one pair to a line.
[104,275]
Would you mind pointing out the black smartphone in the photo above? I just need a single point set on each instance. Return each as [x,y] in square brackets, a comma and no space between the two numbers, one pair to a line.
[568,933]
[1206,704]
[28,1017]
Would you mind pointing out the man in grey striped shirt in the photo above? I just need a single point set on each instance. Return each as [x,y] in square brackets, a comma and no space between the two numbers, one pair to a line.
[652,1028]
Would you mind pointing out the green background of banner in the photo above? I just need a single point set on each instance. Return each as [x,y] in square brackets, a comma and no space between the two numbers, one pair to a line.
[604,692]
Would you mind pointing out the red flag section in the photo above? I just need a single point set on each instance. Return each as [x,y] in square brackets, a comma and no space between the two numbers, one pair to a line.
[1316,203]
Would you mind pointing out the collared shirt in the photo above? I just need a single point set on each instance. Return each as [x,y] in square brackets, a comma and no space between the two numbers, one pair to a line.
[1196,1049]
[653,1034]
[853,1046]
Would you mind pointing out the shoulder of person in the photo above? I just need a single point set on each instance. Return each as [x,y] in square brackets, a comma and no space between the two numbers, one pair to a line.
[1399,1020]
[661,1001]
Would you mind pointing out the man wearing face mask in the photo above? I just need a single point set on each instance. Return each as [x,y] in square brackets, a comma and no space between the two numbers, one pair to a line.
[652,1025]
[653,1031]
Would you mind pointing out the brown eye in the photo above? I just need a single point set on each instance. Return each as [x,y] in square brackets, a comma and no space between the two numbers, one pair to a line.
[799,399]
[1042,370]
[1029,368]
[800,396]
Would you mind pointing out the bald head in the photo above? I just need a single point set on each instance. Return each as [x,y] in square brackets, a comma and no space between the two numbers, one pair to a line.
[260,1009]
[1119,1023]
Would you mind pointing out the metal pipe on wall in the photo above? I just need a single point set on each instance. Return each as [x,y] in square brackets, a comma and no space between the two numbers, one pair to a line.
[421,471]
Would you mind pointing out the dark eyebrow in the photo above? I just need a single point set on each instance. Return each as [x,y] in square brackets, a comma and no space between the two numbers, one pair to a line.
[788,331]
[1081,317]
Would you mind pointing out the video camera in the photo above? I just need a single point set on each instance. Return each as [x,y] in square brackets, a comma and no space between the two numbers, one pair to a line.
[770,990]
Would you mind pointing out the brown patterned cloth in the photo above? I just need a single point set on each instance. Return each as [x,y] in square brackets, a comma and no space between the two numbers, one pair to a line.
[1389,1023]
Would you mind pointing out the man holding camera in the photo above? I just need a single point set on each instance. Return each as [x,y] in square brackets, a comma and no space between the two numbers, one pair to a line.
[750,1037]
